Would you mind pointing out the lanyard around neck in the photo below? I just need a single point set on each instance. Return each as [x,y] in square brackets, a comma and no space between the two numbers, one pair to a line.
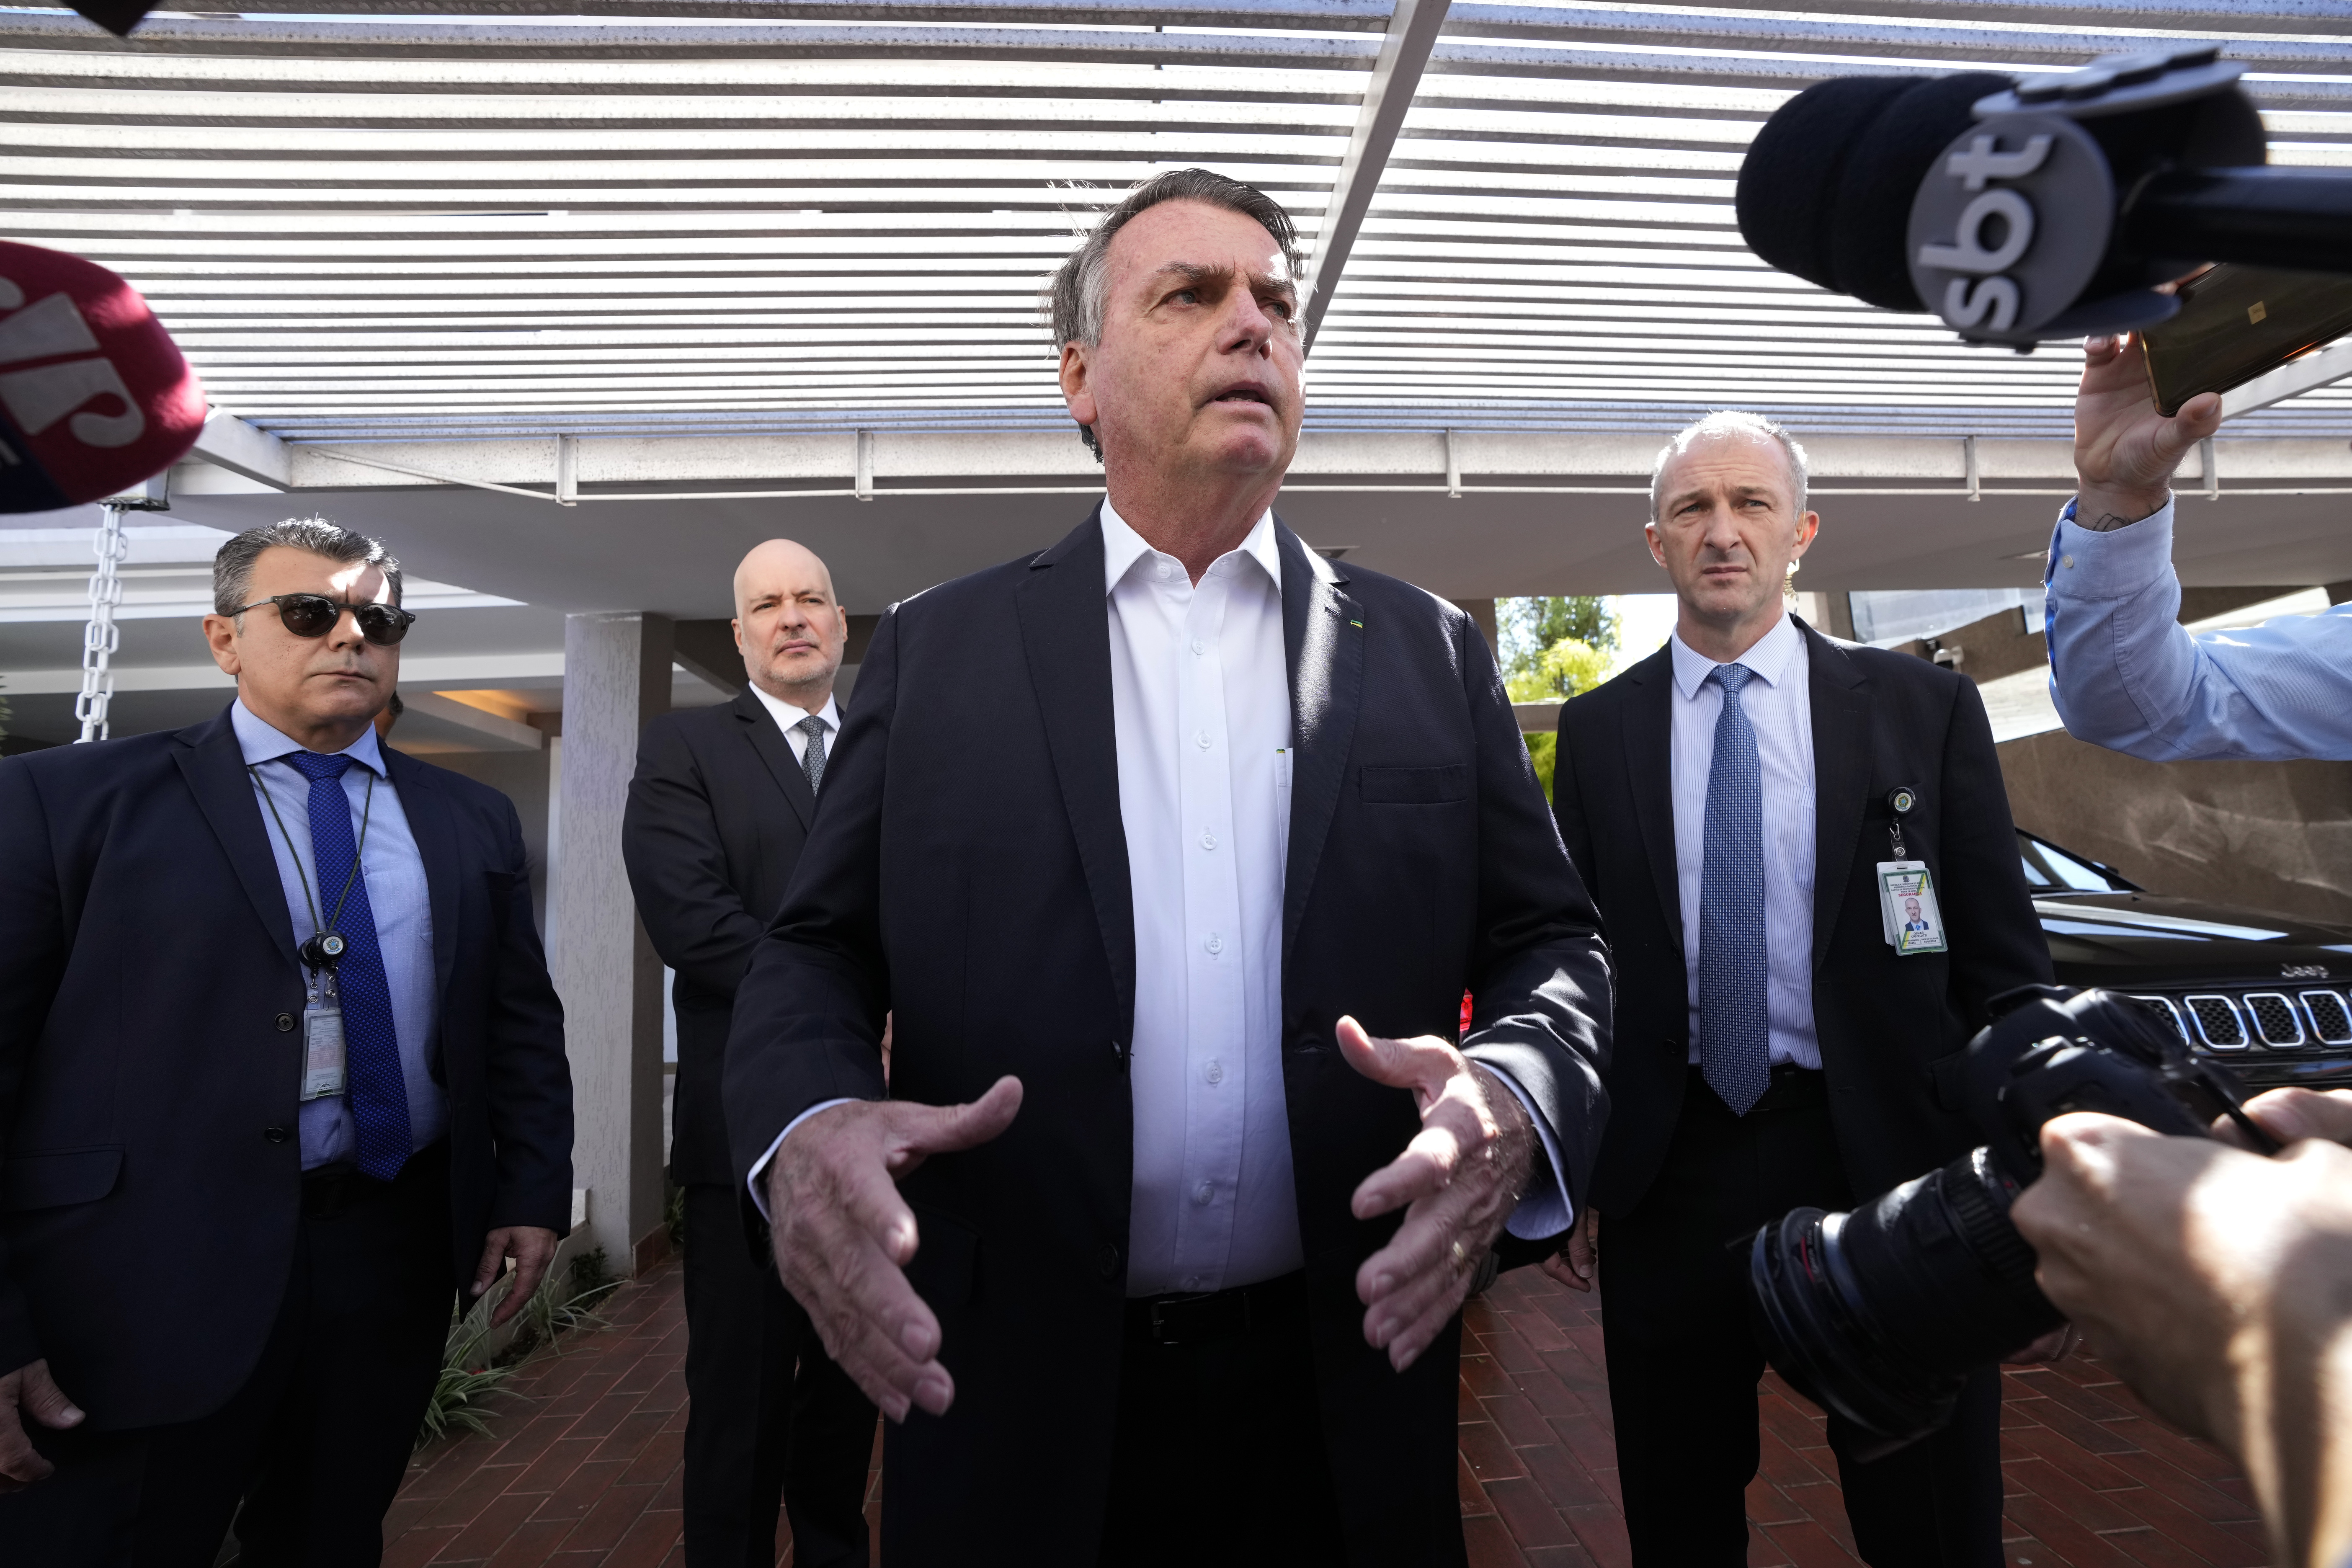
[321,931]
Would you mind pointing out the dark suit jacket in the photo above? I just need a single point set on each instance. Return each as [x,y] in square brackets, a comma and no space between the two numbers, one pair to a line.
[1887,1023]
[717,816]
[971,873]
[149,1172]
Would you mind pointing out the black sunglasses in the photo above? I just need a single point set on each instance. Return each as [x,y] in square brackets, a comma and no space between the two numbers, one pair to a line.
[315,614]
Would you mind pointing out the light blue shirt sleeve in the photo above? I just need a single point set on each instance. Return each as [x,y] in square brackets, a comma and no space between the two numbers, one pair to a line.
[2127,676]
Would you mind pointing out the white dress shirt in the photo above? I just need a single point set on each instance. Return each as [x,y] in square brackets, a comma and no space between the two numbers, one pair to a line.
[789,718]
[1201,714]
[1200,703]
[1779,707]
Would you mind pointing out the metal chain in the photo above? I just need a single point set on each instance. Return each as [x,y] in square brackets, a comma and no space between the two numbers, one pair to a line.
[101,637]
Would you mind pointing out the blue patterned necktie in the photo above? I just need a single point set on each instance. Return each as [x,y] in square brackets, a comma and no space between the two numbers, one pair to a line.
[1734,1024]
[378,1091]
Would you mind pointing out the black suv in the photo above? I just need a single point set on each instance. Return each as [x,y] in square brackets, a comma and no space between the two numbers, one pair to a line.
[2267,994]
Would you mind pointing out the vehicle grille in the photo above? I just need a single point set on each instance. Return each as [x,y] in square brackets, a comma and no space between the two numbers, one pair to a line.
[2275,1018]
[2331,1021]
[2218,1022]
[2171,1009]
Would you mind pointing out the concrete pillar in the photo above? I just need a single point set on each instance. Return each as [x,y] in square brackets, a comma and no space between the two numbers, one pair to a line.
[616,676]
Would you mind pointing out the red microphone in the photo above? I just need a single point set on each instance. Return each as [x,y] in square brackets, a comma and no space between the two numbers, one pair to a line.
[94,395]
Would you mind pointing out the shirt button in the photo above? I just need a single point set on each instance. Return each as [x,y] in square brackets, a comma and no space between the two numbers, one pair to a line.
[1215,944]
[274,1134]
[1160,571]
[1208,840]
[1215,1072]
[1200,647]
[2066,561]
[1200,739]
[1192,1282]
[1204,1191]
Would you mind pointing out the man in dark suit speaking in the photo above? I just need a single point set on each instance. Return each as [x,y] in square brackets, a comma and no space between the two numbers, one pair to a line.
[280,1072]
[1129,834]
[717,813]
[1739,803]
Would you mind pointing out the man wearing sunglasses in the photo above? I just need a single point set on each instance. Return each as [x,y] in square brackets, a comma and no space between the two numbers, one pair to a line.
[281,1075]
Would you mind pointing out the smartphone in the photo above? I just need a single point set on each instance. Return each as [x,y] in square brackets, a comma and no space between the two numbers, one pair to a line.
[2238,323]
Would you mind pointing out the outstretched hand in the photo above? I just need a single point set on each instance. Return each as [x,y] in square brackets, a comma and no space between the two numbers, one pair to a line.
[1457,1181]
[844,1237]
[2124,451]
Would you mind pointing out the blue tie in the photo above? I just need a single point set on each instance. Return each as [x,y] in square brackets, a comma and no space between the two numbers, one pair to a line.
[1735,1035]
[379,1093]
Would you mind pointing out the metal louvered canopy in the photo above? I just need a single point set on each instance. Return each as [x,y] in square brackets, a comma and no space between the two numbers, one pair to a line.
[399,221]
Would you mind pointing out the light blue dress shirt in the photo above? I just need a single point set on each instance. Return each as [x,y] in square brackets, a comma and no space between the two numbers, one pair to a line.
[404,919]
[2127,676]
[1778,704]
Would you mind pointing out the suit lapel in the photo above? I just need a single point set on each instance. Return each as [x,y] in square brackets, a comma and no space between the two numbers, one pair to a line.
[1323,637]
[1647,719]
[776,751]
[1065,634]
[429,823]
[1840,698]
[214,765]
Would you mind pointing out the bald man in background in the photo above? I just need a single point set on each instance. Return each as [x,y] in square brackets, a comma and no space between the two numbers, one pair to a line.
[717,813]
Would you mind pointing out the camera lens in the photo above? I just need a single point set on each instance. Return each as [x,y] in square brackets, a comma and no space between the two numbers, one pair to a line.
[1880,1314]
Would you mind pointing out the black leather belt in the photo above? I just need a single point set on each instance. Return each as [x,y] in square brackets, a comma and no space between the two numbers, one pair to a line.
[1219,1314]
[1792,1087]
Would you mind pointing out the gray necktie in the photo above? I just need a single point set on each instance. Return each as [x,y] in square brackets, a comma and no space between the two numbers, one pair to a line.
[1735,1035]
[812,759]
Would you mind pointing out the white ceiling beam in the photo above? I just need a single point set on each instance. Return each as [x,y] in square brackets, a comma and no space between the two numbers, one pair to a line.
[1404,51]
[505,735]
[230,442]
[2313,370]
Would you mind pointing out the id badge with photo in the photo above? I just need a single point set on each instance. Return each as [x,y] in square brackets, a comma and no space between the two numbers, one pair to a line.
[1907,909]
[322,1045]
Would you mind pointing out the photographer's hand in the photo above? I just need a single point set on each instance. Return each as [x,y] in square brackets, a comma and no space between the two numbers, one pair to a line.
[2291,1115]
[2219,1287]
[2124,451]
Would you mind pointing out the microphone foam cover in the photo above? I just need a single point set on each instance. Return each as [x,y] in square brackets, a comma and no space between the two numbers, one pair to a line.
[1870,216]
[1788,182]
[94,395]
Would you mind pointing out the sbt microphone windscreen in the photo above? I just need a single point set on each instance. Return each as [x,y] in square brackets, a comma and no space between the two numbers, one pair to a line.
[94,395]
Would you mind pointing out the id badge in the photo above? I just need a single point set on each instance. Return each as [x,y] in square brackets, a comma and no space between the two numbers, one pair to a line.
[322,1045]
[1907,909]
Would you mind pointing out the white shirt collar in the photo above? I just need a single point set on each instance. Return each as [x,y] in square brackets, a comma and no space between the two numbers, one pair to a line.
[262,742]
[1123,547]
[786,715]
[1768,658]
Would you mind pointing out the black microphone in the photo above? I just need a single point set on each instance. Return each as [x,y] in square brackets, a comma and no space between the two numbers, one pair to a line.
[2026,209]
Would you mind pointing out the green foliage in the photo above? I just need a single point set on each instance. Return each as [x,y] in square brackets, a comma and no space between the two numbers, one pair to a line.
[1543,751]
[674,1215]
[469,1374]
[1530,626]
[1564,669]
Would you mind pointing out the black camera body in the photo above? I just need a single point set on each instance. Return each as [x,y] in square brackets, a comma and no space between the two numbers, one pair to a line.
[1880,1314]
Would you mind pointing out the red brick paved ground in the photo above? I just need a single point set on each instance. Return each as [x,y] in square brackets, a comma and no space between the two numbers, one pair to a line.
[581,1471]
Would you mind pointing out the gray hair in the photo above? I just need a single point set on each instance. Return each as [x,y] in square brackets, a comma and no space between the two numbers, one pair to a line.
[1727,422]
[1078,296]
[233,567]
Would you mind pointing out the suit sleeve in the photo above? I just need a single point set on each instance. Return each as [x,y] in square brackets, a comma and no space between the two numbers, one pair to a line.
[529,1076]
[1997,940]
[1540,973]
[32,963]
[808,1015]
[669,840]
